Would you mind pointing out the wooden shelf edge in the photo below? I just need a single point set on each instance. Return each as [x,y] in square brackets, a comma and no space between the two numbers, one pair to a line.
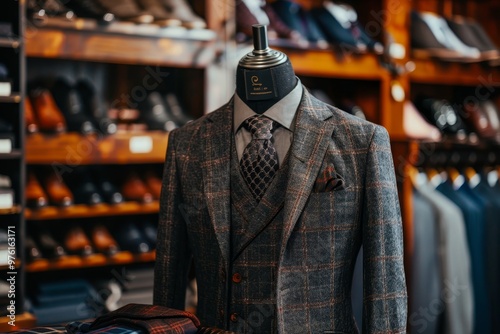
[75,149]
[88,211]
[80,263]
[11,211]
[10,42]
[12,98]
[435,72]
[352,66]
[163,48]
[15,154]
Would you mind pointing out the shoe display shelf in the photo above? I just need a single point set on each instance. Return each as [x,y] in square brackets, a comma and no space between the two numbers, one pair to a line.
[12,161]
[123,53]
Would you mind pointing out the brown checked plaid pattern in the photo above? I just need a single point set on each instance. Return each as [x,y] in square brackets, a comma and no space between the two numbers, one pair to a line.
[340,193]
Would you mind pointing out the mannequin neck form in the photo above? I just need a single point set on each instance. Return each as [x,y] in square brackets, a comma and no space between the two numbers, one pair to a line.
[284,79]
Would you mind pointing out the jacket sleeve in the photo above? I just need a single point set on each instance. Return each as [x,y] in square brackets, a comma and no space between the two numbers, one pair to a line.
[173,257]
[384,295]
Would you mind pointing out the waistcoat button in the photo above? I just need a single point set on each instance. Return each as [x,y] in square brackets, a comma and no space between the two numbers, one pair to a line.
[236,278]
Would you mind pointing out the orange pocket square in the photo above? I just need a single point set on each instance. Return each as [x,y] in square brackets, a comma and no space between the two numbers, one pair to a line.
[328,180]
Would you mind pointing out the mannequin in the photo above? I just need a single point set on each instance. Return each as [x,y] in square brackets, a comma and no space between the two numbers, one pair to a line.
[280,262]
[273,69]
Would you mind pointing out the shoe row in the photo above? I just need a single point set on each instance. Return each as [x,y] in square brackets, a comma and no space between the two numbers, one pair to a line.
[7,136]
[84,242]
[431,118]
[453,39]
[61,106]
[330,23]
[165,13]
[91,186]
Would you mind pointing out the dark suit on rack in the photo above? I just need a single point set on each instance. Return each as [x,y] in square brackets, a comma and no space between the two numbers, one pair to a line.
[348,162]
[474,221]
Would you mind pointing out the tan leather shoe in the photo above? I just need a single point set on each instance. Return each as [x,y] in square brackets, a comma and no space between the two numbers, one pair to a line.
[134,189]
[58,193]
[103,241]
[29,117]
[76,242]
[35,196]
[154,183]
[47,113]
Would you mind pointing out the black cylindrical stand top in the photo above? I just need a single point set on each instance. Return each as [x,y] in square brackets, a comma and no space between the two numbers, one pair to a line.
[259,37]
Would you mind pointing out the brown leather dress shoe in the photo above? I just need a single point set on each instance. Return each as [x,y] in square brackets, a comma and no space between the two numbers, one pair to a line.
[58,193]
[29,117]
[35,196]
[47,113]
[134,189]
[76,242]
[154,183]
[103,241]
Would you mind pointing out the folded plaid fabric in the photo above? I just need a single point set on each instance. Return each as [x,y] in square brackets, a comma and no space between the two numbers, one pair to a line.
[44,330]
[140,319]
[77,327]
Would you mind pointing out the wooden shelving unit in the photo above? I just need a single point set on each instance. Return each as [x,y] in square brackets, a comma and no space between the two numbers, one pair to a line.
[86,211]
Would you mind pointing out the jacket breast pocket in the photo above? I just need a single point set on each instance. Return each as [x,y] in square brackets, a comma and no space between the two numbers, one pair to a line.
[334,209]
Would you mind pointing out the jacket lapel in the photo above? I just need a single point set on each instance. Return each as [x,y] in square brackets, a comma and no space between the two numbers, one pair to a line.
[216,139]
[311,136]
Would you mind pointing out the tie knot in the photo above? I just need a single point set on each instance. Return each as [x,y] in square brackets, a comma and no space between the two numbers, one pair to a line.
[259,127]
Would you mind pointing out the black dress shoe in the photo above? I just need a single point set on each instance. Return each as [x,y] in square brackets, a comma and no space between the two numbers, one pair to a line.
[155,114]
[49,246]
[53,8]
[95,107]
[84,190]
[468,34]
[32,251]
[441,114]
[90,9]
[70,103]
[150,231]
[126,10]
[109,191]
[130,238]
[178,113]
[336,33]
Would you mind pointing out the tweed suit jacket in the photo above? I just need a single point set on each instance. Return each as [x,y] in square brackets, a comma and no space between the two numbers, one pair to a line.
[341,192]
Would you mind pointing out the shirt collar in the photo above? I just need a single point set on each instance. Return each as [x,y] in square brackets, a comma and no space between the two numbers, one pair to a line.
[282,112]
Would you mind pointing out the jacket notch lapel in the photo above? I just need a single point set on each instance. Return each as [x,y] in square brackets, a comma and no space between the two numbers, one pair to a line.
[216,139]
[311,137]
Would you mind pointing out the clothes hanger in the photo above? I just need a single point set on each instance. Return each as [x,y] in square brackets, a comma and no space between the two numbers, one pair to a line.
[456,178]
[472,177]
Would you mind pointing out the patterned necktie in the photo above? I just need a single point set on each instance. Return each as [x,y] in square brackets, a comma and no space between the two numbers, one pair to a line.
[259,162]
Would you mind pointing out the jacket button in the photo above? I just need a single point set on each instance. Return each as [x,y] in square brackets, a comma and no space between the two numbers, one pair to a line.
[234,317]
[236,278]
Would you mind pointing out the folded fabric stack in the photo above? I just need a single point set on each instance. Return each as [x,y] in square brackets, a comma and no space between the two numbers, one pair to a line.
[64,301]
